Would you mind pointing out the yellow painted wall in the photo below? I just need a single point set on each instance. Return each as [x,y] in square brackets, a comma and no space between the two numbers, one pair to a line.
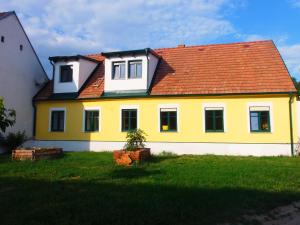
[190,119]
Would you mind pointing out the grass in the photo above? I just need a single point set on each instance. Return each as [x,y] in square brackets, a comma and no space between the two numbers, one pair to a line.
[87,188]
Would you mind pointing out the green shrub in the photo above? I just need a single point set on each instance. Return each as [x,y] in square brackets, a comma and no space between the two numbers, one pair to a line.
[7,117]
[14,140]
[135,139]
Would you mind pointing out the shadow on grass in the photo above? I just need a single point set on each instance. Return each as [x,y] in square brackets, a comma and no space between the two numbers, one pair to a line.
[27,201]
[133,172]
[161,158]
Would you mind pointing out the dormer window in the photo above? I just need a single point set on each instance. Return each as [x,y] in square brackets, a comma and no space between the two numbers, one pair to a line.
[118,70]
[66,74]
[135,69]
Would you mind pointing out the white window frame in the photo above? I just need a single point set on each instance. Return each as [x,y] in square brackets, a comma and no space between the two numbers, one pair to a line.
[260,104]
[135,61]
[91,108]
[168,106]
[216,105]
[137,107]
[50,119]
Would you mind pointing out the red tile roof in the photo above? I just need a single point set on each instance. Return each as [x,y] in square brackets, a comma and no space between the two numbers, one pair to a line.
[248,67]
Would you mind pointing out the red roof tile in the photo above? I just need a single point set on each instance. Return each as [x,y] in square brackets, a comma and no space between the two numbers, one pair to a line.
[252,67]
[248,67]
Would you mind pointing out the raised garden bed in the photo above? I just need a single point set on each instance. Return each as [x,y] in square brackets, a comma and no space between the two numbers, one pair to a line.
[36,153]
[126,158]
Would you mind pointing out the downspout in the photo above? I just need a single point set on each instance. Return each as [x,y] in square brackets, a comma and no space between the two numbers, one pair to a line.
[291,124]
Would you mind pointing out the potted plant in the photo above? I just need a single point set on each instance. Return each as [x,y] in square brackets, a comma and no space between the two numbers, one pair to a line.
[134,149]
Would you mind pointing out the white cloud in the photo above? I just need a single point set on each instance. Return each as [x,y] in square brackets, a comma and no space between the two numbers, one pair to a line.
[291,55]
[62,27]
[295,3]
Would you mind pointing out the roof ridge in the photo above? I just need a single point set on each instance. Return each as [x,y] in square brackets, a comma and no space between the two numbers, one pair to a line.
[195,46]
[220,44]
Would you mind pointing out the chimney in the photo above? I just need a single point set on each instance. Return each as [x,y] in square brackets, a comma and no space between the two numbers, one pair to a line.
[181,46]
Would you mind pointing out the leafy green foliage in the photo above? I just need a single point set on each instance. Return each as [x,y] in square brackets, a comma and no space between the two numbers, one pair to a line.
[296,83]
[7,117]
[135,139]
[13,140]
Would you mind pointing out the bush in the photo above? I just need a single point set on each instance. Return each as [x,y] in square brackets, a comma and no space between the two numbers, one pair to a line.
[135,139]
[7,117]
[14,140]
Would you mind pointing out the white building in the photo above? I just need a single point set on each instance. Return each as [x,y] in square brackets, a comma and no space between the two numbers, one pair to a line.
[21,72]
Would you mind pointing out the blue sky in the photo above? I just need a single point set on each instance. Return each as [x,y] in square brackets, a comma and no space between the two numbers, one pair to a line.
[66,27]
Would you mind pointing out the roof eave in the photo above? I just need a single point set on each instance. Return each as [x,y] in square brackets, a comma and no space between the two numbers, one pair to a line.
[71,58]
[143,51]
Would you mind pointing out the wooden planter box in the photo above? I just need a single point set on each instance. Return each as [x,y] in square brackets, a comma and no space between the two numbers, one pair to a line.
[36,153]
[126,158]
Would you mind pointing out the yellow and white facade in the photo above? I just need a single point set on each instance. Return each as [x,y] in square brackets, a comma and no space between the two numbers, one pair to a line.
[191,135]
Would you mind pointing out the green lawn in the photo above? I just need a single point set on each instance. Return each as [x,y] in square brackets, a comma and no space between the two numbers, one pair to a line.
[87,188]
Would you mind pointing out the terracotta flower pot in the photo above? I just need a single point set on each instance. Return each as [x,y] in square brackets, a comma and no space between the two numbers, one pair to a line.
[123,157]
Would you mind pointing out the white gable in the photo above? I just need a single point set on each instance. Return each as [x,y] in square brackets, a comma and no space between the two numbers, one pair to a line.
[21,74]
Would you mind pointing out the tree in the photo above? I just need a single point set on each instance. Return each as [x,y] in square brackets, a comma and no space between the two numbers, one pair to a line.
[296,83]
[7,117]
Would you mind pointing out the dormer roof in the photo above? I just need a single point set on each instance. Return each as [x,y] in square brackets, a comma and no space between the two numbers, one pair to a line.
[71,58]
[143,51]
[218,69]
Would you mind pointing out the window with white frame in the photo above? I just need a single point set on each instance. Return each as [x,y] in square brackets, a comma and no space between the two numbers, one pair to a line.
[135,69]
[91,120]
[57,122]
[168,119]
[259,119]
[118,70]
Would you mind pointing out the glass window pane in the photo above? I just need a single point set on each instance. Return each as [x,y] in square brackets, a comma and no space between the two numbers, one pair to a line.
[264,121]
[254,121]
[209,120]
[164,121]
[116,72]
[66,73]
[173,121]
[132,72]
[122,70]
[139,70]
[96,121]
[219,120]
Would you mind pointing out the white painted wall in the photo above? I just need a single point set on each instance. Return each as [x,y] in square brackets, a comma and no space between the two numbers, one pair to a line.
[153,60]
[66,86]
[176,148]
[126,84]
[81,71]
[21,74]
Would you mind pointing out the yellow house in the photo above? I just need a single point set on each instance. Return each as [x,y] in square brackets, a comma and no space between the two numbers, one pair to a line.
[233,99]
